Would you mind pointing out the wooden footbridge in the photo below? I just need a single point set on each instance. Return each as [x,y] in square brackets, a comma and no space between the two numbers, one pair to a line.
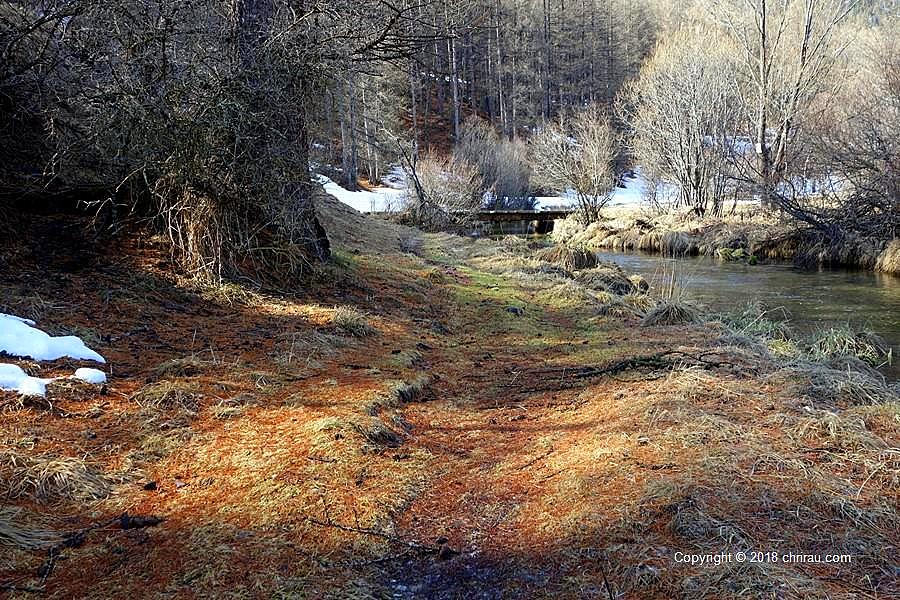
[522,221]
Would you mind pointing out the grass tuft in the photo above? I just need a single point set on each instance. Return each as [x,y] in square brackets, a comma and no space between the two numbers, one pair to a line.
[351,321]
[670,313]
[571,258]
[46,478]
[844,341]
[166,394]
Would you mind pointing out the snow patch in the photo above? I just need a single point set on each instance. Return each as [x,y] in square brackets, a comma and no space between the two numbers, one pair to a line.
[382,199]
[19,337]
[14,378]
[94,376]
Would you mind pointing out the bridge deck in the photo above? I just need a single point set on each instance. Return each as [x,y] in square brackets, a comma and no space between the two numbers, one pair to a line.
[523,215]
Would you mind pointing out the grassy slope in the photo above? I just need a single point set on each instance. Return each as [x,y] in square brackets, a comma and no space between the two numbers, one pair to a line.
[289,465]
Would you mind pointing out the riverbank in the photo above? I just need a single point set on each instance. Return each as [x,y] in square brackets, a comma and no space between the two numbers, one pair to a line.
[433,416]
[753,234]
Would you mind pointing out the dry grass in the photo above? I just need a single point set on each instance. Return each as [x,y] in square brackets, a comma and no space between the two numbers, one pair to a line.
[167,395]
[351,321]
[669,313]
[844,341]
[15,533]
[834,431]
[608,278]
[618,309]
[569,294]
[47,478]
[307,348]
[568,257]
[188,366]
[825,387]
[640,302]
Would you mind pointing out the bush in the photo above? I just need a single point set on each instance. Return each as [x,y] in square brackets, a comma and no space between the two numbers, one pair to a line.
[579,155]
[502,164]
[445,192]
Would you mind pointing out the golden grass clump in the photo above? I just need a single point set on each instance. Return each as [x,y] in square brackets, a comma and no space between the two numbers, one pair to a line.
[640,284]
[166,394]
[47,478]
[670,313]
[640,302]
[351,321]
[606,277]
[571,258]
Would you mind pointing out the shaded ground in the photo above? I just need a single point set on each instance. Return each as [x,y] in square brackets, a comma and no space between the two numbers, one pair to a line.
[459,450]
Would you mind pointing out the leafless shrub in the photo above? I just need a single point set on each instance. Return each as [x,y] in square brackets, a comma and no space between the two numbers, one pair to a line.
[580,156]
[446,193]
[680,113]
[502,164]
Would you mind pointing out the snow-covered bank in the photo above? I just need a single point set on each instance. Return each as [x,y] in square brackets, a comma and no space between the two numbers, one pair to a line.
[382,199]
[20,338]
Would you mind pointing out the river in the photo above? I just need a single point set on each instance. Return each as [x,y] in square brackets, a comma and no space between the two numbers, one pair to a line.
[812,299]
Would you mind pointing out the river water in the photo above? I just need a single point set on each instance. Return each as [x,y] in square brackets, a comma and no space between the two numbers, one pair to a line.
[812,300]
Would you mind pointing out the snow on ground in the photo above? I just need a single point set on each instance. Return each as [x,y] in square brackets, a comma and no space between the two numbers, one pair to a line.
[631,193]
[15,379]
[94,376]
[19,337]
[382,199]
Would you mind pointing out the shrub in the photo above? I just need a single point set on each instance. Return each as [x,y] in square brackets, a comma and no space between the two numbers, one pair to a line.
[444,192]
[502,164]
[579,155]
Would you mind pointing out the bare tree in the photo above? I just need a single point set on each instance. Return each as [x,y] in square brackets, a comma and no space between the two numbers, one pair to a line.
[787,50]
[579,155]
[679,113]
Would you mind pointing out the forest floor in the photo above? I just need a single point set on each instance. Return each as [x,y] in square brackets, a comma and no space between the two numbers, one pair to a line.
[433,417]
